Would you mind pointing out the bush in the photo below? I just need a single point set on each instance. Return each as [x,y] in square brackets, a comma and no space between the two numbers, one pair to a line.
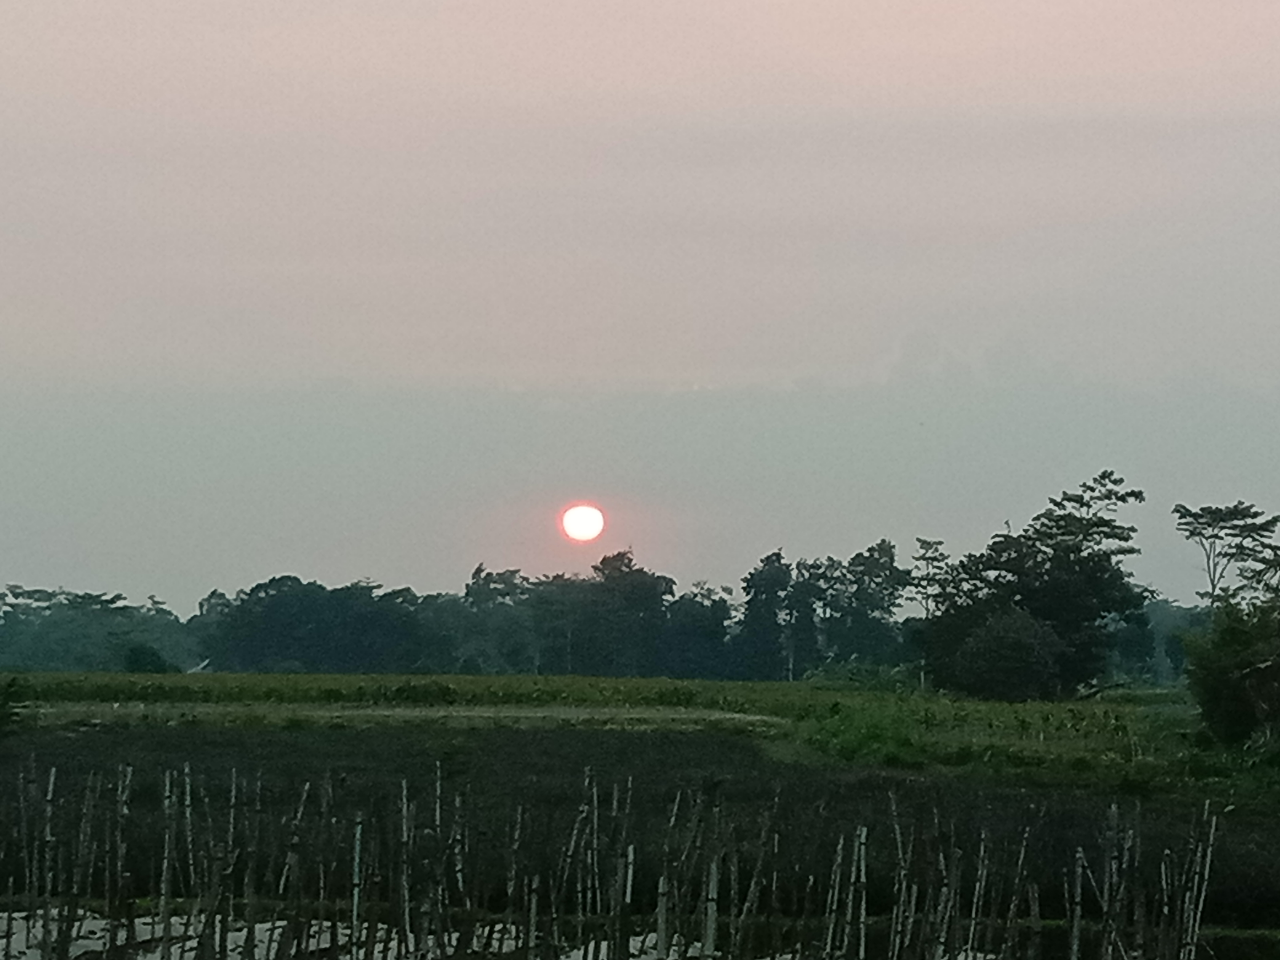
[144,658]
[1011,657]
[1220,674]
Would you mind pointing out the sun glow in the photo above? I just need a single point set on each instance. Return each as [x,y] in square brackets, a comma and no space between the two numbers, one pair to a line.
[582,522]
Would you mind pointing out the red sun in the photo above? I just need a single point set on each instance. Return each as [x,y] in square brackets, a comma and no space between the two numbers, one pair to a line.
[582,522]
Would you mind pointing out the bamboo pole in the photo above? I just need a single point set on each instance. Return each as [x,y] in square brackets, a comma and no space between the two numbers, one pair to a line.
[1076,903]
[47,868]
[356,885]
[712,908]
[166,944]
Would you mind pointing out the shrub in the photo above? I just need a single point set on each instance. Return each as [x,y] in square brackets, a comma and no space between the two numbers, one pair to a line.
[144,658]
[1011,657]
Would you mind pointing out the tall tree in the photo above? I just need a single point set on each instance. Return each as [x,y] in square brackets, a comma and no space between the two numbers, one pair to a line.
[930,575]
[693,642]
[630,615]
[757,648]
[1064,569]
[560,611]
[500,638]
[804,610]
[1231,537]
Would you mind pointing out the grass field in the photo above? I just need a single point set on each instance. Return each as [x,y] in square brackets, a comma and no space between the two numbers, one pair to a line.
[1141,742]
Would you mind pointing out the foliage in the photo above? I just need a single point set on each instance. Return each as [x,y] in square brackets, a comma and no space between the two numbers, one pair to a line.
[693,640]
[930,581]
[1227,670]
[1235,537]
[987,616]
[1171,625]
[757,649]
[63,630]
[865,595]
[286,625]
[1012,656]
[141,658]
[1064,570]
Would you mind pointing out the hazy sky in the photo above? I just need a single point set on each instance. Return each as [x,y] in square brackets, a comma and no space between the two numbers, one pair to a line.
[372,289]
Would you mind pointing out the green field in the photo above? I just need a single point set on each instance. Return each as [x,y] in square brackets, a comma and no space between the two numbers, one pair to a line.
[1142,742]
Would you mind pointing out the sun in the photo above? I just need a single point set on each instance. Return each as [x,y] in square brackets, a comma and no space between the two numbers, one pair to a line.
[582,522]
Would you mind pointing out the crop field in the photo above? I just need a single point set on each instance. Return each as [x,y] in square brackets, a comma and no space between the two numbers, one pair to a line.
[1138,743]
[818,762]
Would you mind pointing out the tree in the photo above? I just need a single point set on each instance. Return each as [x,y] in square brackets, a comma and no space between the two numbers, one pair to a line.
[930,576]
[558,606]
[1064,569]
[64,630]
[630,617]
[807,592]
[446,632]
[869,590]
[693,642]
[757,648]
[500,638]
[1231,537]
[1233,668]
[287,625]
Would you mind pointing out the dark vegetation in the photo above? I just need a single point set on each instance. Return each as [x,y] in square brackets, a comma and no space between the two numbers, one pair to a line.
[1048,612]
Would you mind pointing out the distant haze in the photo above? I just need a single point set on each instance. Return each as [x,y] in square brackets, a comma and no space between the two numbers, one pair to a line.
[374,290]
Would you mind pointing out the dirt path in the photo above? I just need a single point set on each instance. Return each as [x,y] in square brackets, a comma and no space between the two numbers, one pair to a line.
[289,714]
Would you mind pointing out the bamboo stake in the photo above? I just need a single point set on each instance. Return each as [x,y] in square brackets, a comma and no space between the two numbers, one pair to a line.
[406,894]
[356,882]
[166,945]
[8,922]
[833,901]
[713,903]
[1033,912]
[192,881]
[26,783]
[862,893]
[46,856]
[232,857]
[1076,905]
[531,935]
[979,889]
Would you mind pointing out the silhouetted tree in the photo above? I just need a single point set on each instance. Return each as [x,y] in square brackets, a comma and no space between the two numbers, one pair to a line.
[1064,569]
[693,644]
[756,650]
[1232,537]
[630,607]
[64,630]
[285,624]
[500,638]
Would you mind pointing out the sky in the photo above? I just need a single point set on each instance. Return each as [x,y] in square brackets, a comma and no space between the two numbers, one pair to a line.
[372,290]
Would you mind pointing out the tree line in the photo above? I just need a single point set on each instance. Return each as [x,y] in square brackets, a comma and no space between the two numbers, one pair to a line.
[1039,613]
